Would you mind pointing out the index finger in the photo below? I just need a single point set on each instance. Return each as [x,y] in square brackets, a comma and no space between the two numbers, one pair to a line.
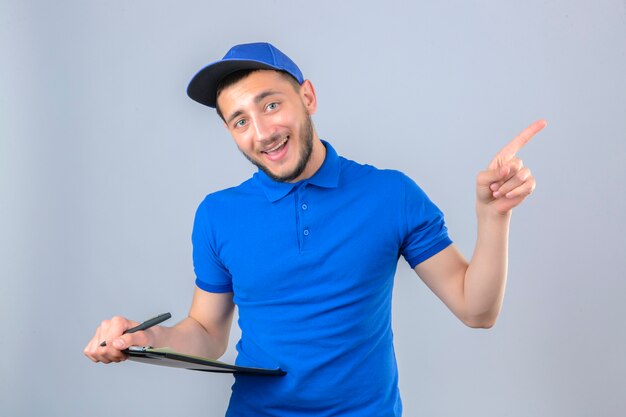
[520,140]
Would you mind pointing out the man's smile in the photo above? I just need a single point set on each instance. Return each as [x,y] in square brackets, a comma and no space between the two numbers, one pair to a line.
[277,151]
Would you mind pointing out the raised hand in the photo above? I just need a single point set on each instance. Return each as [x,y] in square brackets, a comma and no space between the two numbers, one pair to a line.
[507,182]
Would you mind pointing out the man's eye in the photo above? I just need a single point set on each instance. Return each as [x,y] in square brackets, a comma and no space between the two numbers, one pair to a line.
[272,106]
[240,123]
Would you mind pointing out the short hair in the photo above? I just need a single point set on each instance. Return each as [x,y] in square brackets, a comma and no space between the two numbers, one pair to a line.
[235,77]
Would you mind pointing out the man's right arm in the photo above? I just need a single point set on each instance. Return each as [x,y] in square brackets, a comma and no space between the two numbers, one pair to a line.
[203,333]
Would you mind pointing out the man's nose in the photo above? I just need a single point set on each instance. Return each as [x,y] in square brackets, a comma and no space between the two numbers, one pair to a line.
[262,128]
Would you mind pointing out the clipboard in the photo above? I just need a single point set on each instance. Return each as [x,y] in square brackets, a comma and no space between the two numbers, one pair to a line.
[173,359]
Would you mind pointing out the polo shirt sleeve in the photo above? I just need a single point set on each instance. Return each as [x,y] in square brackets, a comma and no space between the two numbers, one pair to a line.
[425,232]
[211,274]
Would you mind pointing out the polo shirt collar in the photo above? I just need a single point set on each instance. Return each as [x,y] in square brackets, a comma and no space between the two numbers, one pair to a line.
[327,177]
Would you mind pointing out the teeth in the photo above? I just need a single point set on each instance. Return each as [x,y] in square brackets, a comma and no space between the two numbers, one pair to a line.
[277,146]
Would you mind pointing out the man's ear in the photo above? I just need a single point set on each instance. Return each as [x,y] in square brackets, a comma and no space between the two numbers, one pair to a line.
[309,99]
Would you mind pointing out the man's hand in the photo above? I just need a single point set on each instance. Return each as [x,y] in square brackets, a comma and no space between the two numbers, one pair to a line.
[203,333]
[507,182]
[112,332]
[474,292]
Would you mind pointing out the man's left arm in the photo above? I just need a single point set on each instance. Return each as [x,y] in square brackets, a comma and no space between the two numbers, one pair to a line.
[474,291]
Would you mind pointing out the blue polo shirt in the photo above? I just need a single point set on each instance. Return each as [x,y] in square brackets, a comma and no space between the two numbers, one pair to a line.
[311,267]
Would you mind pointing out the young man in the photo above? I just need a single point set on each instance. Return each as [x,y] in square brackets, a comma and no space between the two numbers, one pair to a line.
[307,249]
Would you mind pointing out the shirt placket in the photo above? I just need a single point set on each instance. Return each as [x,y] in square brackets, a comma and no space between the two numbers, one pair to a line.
[303,228]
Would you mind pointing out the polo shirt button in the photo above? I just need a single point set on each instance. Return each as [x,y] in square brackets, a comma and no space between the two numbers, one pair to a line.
[304,207]
[306,232]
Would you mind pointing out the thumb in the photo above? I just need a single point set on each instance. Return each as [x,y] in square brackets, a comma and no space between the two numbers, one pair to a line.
[140,338]
[119,343]
[492,176]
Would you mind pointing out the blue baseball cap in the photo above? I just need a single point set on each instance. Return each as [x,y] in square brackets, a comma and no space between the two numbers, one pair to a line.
[203,86]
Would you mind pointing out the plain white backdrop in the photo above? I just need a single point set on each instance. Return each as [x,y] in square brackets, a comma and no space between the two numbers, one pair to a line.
[103,161]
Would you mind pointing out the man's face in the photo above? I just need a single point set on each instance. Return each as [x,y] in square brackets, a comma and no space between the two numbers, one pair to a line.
[270,123]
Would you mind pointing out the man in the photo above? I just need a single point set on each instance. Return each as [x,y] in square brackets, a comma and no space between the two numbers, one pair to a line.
[307,249]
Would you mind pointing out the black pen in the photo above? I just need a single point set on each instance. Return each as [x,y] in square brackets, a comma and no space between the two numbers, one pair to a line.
[146,324]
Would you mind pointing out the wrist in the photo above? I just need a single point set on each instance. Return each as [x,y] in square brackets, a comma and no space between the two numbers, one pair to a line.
[154,336]
[488,213]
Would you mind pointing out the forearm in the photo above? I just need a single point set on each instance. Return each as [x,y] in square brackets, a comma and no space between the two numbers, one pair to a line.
[205,331]
[485,278]
[190,337]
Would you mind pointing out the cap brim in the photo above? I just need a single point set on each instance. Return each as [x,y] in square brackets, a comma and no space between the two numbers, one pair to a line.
[203,86]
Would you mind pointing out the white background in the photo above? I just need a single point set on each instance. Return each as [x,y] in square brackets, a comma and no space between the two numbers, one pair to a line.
[103,161]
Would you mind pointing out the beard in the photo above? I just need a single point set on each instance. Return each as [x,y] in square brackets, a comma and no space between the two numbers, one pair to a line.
[306,139]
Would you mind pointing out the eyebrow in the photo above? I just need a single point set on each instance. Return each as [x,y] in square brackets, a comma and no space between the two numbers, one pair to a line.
[259,97]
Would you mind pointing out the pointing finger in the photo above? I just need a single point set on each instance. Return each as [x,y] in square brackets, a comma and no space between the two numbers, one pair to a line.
[516,144]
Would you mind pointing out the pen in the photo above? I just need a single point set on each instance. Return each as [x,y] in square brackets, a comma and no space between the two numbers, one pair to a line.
[146,324]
